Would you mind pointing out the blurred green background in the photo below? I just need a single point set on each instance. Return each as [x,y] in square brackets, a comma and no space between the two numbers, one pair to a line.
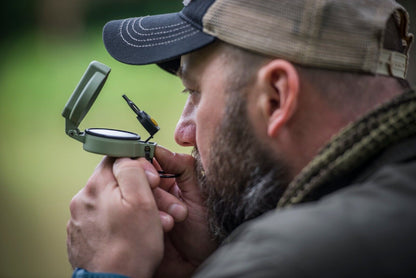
[45,47]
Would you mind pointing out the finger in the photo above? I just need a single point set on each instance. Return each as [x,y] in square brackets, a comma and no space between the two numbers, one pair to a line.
[102,177]
[175,163]
[165,183]
[135,179]
[105,164]
[167,221]
[168,203]
[156,165]
[149,170]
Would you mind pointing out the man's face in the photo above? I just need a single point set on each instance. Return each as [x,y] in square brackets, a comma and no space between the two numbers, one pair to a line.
[203,75]
[242,178]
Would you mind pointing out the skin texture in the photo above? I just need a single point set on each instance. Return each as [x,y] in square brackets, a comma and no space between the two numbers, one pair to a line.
[205,105]
[127,220]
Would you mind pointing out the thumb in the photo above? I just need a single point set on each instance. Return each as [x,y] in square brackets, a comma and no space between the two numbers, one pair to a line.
[180,164]
[135,178]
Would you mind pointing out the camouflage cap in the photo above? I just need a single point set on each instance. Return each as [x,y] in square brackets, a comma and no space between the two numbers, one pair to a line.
[330,34]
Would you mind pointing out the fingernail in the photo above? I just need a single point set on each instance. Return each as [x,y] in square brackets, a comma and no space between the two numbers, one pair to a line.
[178,212]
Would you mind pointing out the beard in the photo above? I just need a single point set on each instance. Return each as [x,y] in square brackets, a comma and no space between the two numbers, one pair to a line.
[243,178]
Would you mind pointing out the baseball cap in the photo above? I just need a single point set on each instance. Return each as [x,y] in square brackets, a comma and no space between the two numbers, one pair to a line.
[330,34]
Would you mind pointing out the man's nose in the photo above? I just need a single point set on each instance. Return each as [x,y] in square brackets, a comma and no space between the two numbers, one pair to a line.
[185,132]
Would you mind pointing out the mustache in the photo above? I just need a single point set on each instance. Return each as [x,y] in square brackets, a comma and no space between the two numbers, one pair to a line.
[199,170]
[195,153]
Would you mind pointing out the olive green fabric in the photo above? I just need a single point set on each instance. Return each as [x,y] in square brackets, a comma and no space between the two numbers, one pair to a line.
[332,34]
[355,146]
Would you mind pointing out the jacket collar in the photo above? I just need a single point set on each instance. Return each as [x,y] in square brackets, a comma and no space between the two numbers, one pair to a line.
[358,150]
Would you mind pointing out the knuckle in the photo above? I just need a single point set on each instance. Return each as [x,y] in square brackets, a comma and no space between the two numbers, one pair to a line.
[91,186]
[92,180]
[73,205]
[82,202]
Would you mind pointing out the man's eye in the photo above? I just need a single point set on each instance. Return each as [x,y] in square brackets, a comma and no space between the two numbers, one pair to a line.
[189,91]
[194,96]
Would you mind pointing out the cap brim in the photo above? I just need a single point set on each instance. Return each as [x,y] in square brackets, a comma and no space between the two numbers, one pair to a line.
[160,39]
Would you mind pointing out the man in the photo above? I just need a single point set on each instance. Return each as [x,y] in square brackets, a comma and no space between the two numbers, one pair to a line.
[300,105]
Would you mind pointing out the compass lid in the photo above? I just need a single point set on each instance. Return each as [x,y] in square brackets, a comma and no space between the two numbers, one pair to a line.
[86,92]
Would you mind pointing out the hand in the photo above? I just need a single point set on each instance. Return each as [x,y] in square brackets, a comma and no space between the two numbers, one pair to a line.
[115,225]
[189,242]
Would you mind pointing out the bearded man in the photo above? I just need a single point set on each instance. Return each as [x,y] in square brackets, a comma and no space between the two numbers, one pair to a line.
[304,162]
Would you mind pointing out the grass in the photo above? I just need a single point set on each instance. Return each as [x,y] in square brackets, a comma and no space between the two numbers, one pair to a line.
[42,168]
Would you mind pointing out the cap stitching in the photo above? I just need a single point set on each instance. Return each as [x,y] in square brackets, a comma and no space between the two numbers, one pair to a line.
[159,28]
[157,38]
[153,44]
[150,34]
[158,44]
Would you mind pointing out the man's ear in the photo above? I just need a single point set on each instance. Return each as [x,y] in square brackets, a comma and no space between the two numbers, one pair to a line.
[280,82]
